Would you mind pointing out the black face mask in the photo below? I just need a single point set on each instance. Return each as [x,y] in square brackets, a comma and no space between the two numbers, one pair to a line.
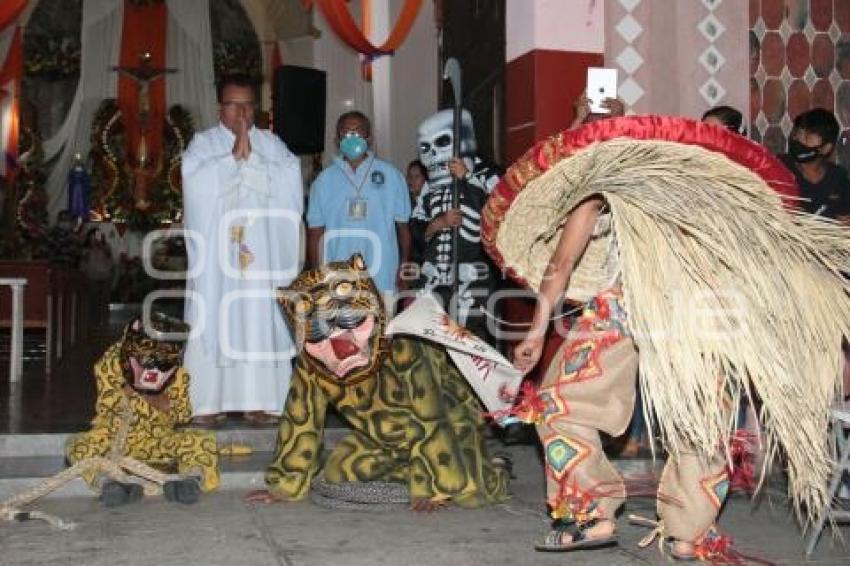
[803,153]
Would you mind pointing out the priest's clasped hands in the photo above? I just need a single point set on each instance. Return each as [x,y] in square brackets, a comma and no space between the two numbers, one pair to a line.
[242,145]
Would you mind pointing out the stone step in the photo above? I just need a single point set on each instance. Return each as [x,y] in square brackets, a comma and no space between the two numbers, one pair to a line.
[18,474]
[26,459]
[37,445]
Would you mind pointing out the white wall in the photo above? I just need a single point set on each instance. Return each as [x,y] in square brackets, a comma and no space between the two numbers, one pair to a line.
[346,90]
[404,87]
[414,85]
[558,25]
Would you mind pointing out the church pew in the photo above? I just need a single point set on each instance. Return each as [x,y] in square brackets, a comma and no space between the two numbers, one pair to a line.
[54,301]
[40,308]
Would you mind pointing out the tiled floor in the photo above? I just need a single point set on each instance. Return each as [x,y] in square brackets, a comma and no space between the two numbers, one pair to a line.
[61,401]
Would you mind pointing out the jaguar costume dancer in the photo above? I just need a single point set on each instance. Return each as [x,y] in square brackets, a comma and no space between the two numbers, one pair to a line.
[141,376]
[430,225]
[142,393]
[683,241]
[416,421]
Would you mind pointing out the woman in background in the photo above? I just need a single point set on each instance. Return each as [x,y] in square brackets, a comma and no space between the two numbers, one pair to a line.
[417,180]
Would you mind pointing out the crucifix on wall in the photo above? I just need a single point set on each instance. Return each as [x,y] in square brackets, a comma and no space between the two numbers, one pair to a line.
[144,169]
[143,75]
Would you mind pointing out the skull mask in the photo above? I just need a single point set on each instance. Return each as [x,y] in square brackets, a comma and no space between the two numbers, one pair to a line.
[436,143]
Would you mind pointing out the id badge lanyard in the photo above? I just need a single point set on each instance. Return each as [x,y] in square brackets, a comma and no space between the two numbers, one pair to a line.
[357,207]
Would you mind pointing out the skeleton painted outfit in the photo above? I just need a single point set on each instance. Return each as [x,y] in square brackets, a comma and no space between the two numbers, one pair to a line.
[474,268]
[699,274]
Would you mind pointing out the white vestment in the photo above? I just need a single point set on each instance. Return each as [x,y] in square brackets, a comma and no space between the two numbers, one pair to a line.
[243,238]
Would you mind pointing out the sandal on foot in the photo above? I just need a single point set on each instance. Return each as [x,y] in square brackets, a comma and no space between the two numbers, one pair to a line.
[554,541]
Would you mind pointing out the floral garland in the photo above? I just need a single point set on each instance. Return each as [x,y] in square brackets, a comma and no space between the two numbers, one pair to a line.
[52,59]
[237,58]
[29,234]
[112,173]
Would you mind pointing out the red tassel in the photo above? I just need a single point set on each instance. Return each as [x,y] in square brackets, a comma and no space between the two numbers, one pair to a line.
[579,504]
[741,470]
[528,407]
[719,549]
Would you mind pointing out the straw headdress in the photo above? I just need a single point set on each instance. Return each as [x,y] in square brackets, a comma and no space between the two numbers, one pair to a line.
[727,287]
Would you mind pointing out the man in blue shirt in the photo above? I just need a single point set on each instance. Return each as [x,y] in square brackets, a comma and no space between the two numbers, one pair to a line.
[359,204]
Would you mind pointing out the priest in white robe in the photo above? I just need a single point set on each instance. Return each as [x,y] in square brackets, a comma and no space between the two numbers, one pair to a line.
[243,201]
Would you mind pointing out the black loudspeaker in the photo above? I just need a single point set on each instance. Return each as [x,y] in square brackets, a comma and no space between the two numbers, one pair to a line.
[299,108]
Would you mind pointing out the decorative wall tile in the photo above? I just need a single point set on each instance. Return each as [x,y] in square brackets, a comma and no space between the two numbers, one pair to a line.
[773,53]
[712,59]
[629,28]
[799,98]
[711,28]
[755,11]
[630,91]
[807,68]
[773,13]
[821,14]
[822,95]
[629,60]
[823,55]
[842,15]
[703,63]
[773,100]
[629,5]
[774,139]
[797,12]
[842,54]
[798,54]
[844,103]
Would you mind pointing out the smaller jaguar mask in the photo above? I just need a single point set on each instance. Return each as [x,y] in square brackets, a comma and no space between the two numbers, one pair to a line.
[150,355]
[337,317]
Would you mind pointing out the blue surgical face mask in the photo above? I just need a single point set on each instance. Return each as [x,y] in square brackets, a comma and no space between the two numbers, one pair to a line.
[353,146]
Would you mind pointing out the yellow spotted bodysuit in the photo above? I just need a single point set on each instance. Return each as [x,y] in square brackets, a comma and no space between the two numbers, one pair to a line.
[416,421]
[152,438]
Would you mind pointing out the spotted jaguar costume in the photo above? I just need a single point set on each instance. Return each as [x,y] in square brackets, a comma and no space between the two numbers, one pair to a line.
[415,419]
[144,375]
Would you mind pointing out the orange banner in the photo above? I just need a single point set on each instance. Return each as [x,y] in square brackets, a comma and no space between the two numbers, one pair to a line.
[340,19]
[142,99]
[10,10]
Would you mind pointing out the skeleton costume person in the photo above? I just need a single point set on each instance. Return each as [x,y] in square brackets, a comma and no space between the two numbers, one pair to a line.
[683,241]
[474,269]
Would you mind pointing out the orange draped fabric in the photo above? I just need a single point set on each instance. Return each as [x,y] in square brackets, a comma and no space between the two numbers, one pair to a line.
[366,30]
[10,10]
[144,30]
[10,82]
[340,19]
